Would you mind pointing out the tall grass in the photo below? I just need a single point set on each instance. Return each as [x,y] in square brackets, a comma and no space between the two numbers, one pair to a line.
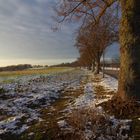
[11,76]
[34,71]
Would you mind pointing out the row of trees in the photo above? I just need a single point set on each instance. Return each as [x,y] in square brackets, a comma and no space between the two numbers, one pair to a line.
[129,36]
[72,64]
[20,67]
[16,67]
[92,40]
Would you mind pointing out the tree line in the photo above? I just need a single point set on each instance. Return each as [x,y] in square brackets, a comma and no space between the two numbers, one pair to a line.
[15,67]
[91,13]
[92,40]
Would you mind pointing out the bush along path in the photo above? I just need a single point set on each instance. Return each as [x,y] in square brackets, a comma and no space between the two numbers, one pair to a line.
[127,111]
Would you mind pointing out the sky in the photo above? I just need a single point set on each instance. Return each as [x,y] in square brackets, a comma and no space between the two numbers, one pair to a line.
[26,36]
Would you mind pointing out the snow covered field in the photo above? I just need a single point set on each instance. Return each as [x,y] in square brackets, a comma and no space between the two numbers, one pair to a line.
[22,101]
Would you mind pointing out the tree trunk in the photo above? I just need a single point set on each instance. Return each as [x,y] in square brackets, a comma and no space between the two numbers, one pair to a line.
[129,78]
[93,65]
[97,65]
[103,66]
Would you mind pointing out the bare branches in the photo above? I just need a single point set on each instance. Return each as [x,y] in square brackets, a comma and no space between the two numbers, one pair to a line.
[94,34]
[71,11]
[92,41]
[93,15]
[103,10]
[92,8]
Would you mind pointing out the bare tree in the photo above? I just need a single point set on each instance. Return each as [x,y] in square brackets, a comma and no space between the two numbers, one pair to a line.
[129,79]
[97,38]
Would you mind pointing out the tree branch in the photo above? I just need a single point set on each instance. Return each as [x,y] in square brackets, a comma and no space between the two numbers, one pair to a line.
[72,10]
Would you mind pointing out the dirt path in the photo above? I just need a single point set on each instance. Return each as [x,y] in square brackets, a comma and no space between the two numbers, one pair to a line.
[102,93]
[56,113]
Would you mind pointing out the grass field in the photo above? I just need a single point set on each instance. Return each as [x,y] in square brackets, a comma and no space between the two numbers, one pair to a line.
[9,76]
[34,71]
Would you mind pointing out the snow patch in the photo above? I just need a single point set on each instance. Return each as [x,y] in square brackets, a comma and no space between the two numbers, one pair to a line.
[62,123]
[85,99]
[110,83]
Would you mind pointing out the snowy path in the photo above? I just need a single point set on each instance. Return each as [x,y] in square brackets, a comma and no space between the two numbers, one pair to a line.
[88,112]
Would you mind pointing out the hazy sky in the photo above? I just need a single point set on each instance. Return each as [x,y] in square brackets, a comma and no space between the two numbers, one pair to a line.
[26,35]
